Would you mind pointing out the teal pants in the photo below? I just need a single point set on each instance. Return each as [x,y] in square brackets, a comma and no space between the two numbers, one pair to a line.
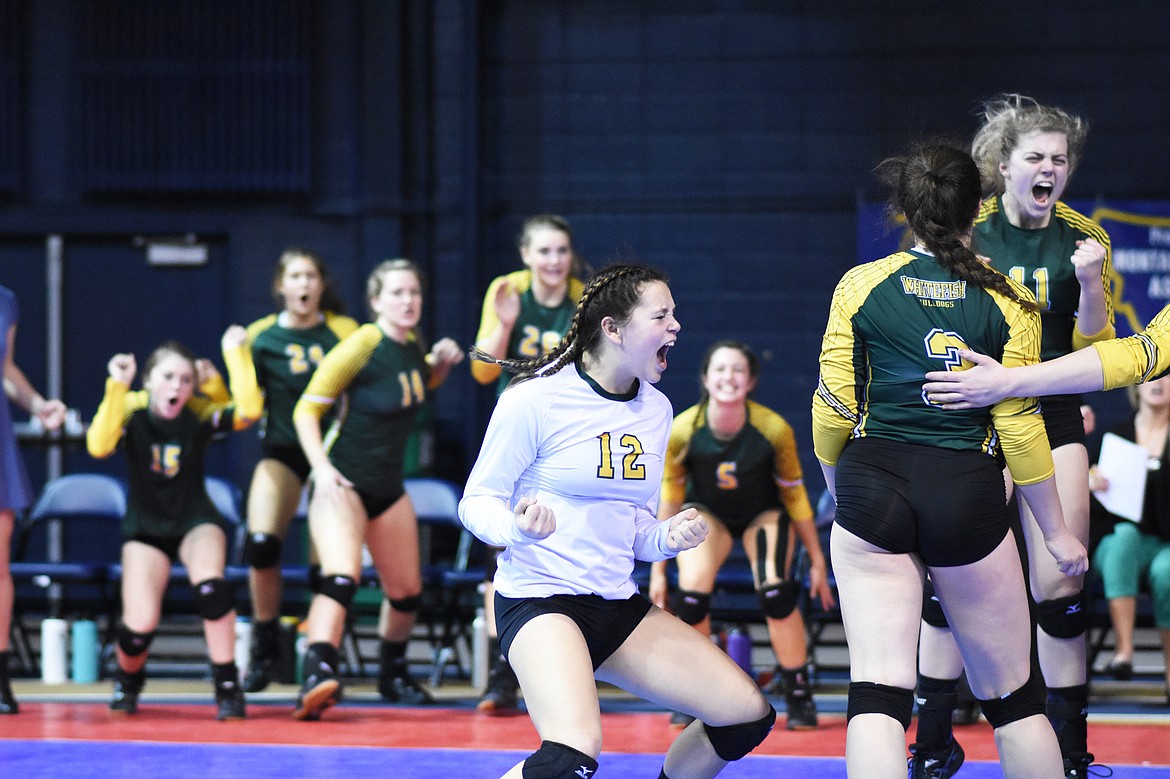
[1126,557]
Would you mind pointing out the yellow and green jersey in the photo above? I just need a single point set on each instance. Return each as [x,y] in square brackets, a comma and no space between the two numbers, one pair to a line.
[890,322]
[1040,260]
[538,328]
[285,358]
[382,384]
[756,470]
[1139,357]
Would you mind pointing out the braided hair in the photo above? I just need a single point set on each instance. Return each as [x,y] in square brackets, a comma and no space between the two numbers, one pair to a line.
[613,292]
[936,186]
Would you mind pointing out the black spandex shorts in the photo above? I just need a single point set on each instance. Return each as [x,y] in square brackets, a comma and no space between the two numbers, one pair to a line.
[376,504]
[291,456]
[169,545]
[1062,419]
[605,624]
[736,525]
[946,506]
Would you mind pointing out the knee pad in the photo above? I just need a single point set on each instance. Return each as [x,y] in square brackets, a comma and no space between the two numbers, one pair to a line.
[932,612]
[731,742]
[779,600]
[214,598]
[407,605]
[872,698]
[692,607]
[557,761]
[1024,702]
[339,587]
[1063,617]
[262,550]
[131,642]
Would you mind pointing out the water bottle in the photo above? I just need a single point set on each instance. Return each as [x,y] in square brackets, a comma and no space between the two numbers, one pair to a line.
[54,651]
[739,648]
[243,644]
[479,651]
[85,651]
[286,650]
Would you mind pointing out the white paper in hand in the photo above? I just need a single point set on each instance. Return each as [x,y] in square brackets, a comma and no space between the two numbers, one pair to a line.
[1123,463]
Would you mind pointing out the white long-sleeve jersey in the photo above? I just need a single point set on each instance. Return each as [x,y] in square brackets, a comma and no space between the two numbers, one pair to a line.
[596,460]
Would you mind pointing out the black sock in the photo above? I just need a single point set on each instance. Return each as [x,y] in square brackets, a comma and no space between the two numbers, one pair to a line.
[1068,711]
[936,699]
[225,675]
[392,656]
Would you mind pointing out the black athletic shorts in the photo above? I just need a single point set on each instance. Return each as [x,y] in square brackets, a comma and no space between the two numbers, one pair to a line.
[736,525]
[293,457]
[1062,419]
[376,504]
[946,506]
[605,624]
[169,545]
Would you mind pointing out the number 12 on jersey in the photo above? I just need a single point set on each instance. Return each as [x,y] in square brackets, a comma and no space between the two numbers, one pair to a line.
[631,468]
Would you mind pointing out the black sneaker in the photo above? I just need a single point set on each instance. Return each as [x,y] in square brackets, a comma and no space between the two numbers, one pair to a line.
[1079,765]
[127,687]
[680,720]
[322,688]
[928,764]
[403,689]
[229,702]
[500,695]
[802,712]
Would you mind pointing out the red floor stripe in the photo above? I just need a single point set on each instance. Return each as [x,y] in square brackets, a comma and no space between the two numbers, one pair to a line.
[461,728]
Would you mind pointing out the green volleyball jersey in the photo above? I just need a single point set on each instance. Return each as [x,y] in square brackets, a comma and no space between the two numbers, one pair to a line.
[165,457]
[893,320]
[756,470]
[285,358]
[538,329]
[1040,260]
[384,384]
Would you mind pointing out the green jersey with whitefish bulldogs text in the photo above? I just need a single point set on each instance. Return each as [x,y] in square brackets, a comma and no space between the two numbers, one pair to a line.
[890,322]
[1040,260]
[285,358]
[384,384]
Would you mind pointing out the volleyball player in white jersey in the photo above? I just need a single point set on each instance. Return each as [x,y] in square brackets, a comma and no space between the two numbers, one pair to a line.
[568,480]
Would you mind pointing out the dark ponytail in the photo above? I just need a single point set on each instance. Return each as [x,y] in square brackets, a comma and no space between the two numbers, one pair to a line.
[937,187]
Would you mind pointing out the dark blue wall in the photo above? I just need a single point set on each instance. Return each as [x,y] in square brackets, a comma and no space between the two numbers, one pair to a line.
[728,141]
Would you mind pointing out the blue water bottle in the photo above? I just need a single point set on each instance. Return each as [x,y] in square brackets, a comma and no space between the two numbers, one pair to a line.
[84,645]
[739,648]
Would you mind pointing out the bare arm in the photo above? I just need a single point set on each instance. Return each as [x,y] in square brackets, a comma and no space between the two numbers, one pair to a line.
[989,382]
[20,390]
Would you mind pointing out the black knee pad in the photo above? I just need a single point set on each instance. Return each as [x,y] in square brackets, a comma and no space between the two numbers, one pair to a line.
[932,612]
[692,607]
[779,600]
[873,698]
[731,742]
[407,605]
[1024,702]
[214,598]
[131,642]
[557,761]
[1063,617]
[339,587]
[262,550]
